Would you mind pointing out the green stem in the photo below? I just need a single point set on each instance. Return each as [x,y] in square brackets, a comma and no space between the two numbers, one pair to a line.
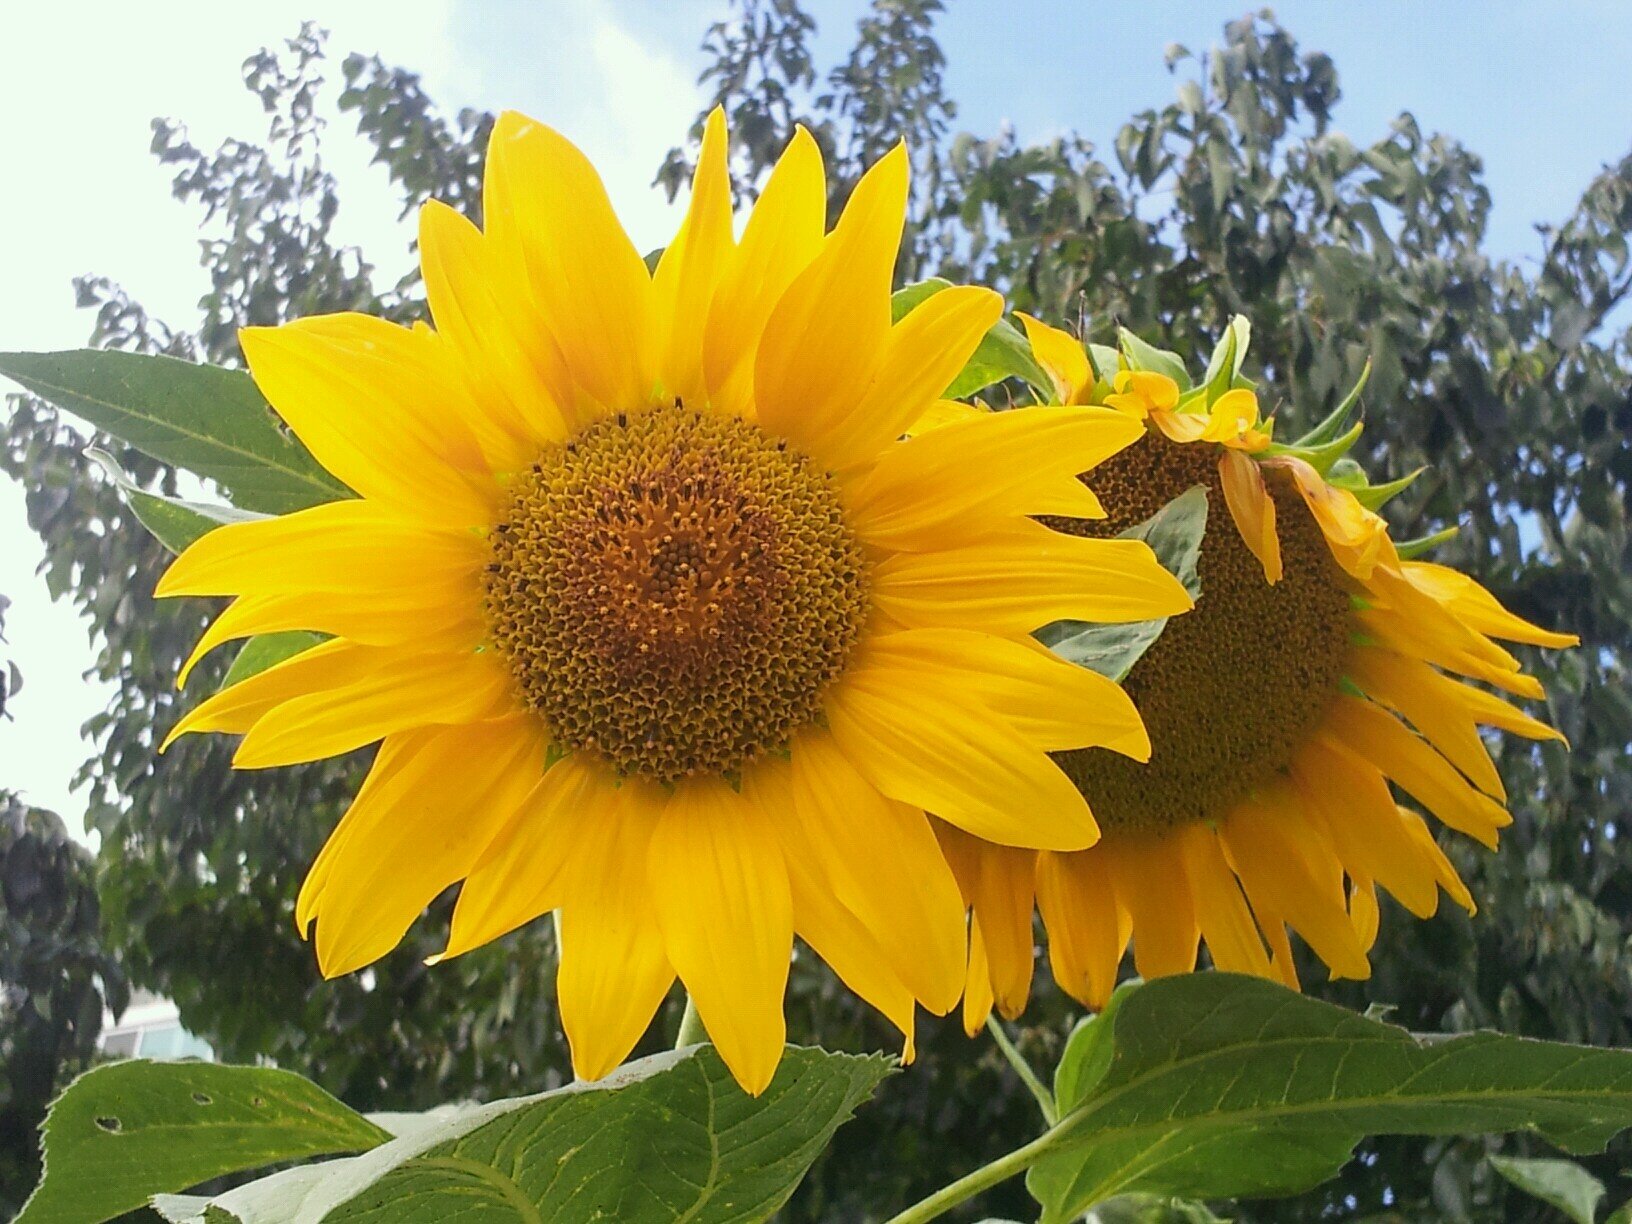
[691,1027]
[1028,1077]
[983,1178]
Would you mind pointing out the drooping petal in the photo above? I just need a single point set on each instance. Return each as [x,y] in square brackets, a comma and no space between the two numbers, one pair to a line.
[1432,702]
[1154,886]
[999,883]
[1222,911]
[720,885]
[1253,510]
[1088,927]
[1357,537]
[1062,357]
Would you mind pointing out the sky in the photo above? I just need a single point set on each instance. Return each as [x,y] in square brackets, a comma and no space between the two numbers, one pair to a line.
[1541,98]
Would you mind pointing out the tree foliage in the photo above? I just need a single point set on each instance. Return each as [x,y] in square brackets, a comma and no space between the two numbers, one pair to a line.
[1508,383]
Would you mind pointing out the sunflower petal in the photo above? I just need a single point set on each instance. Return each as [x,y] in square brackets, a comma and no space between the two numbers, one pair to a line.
[1478,608]
[1152,882]
[1088,928]
[1253,510]
[1062,357]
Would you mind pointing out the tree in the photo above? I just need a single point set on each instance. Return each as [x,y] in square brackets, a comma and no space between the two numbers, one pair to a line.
[1240,196]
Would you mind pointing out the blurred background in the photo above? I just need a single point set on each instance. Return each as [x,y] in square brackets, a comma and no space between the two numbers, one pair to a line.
[1445,191]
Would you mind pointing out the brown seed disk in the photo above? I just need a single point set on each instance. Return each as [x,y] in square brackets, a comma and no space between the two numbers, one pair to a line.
[674,590]
[1231,689]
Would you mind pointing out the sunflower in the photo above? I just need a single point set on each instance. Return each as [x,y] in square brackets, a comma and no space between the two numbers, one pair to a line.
[661,622]
[1324,675]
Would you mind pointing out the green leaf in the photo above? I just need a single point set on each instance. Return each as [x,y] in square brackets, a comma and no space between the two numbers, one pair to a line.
[174,523]
[1143,356]
[267,650]
[206,419]
[1004,352]
[124,1131]
[1222,1086]
[1621,1214]
[1174,534]
[1224,367]
[1332,424]
[1151,1209]
[665,1138]
[1410,550]
[1562,1183]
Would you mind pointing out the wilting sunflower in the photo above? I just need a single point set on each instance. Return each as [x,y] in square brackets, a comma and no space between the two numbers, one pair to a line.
[1322,678]
[662,625]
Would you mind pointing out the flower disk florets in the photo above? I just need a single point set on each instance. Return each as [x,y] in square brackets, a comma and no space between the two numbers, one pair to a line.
[674,590]
[1232,689]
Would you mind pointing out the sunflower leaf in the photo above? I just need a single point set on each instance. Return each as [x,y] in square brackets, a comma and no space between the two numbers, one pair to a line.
[1174,534]
[268,650]
[1222,1086]
[206,419]
[127,1130]
[1142,355]
[663,1138]
[1561,1183]
[1004,352]
[173,522]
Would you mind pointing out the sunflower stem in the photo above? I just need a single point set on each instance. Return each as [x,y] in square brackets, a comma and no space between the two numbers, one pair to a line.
[1028,1077]
[691,1027]
[982,1179]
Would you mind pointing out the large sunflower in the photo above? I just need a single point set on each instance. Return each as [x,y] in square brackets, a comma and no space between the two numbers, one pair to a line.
[1321,676]
[662,624]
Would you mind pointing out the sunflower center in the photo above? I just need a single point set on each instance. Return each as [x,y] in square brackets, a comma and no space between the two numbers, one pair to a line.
[674,590]
[1230,690]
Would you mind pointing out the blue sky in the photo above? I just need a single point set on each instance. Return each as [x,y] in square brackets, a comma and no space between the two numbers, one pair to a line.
[1538,90]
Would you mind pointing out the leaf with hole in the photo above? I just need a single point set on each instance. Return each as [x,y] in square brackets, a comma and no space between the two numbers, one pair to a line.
[125,1131]
[1213,1085]
[664,1138]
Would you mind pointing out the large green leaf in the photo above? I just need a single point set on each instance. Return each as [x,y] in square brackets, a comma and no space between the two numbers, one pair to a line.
[175,523]
[1174,534]
[128,1130]
[206,419]
[665,1138]
[1004,352]
[1218,1086]
[1560,1183]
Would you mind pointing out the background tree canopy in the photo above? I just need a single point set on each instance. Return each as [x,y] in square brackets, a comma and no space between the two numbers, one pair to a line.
[1511,387]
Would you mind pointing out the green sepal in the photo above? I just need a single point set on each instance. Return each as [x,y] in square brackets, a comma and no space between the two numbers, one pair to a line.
[1224,367]
[1329,427]
[1375,497]
[1325,455]
[1142,356]
[1410,550]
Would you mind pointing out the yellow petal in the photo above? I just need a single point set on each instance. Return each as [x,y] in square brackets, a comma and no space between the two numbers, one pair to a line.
[1478,608]
[1088,928]
[1055,704]
[1386,743]
[966,473]
[1356,536]
[1284,863]
[485,313]
[1152,883]
[977,995]
[1181,427]
[1432,703]
[1231,417]
[924,353]
[925,742]
[406,689]
[999,883]
[690,269]
[359,394]
[409,837]
[783,234]
[566,821]
[1449,880]
[614,971]
[1143,392]
[720,885]
[823,341]
[1024,577]
[1253,510]
[866,847]
[1222,911]
[1062,357]
[236,709]
[1352,798]
[547,212]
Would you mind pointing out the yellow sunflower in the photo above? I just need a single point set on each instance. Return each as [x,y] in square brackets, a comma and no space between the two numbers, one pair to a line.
[660,622]
[1321,676]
